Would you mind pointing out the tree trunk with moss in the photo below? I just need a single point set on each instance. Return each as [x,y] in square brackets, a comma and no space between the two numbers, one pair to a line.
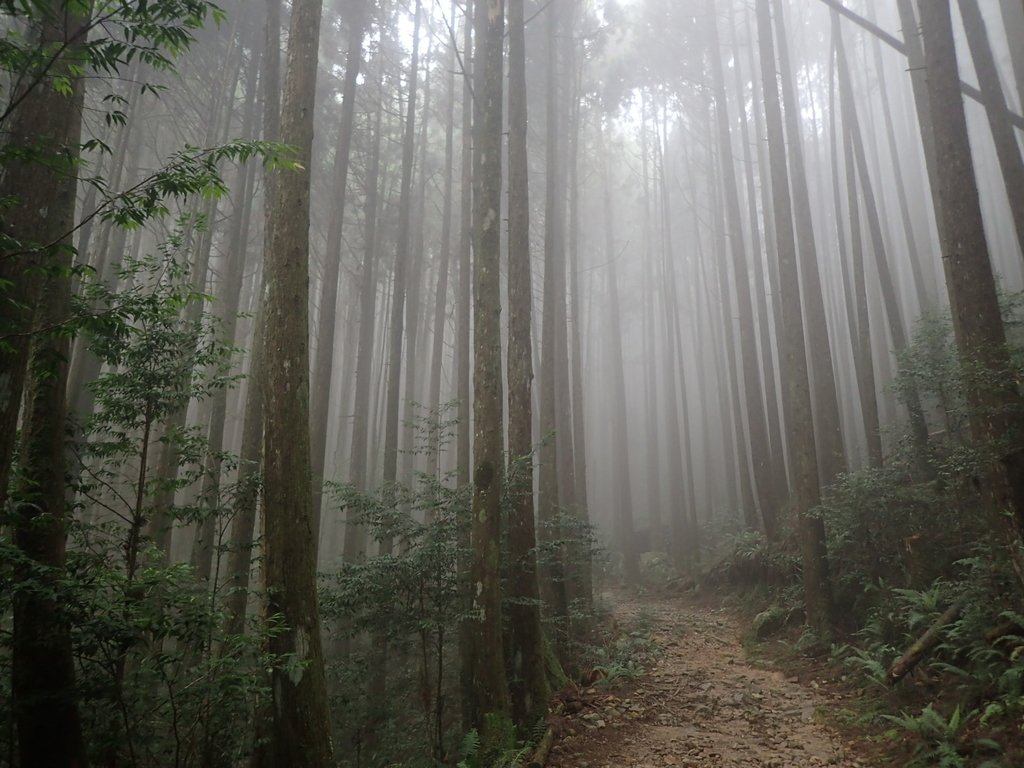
[300,728]
[489,686]
[43,675]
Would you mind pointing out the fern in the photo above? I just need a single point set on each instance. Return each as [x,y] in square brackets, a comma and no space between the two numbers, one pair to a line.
[470,749]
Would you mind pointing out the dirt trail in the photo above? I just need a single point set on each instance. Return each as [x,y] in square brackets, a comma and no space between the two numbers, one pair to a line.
[702,704]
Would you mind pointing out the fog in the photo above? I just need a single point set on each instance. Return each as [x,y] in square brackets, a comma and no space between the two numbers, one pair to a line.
[670,271]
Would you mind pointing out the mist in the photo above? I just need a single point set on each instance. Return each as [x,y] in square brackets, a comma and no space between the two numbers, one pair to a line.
[371,372]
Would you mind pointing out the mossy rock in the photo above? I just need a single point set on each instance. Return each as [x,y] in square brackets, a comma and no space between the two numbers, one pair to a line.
[769,621]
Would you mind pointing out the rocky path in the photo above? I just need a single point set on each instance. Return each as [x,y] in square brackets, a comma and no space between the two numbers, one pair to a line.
[702,704]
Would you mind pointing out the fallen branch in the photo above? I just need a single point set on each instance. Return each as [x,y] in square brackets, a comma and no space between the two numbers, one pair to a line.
[924,644]
[540,754]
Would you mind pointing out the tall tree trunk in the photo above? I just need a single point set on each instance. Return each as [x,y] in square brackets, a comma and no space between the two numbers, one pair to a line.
[914,50]
[582,589]
[489,686]
[243,529]
[327,317]
[767,358]
[553,571]
[757,428]
[395,331]
[992,393]
[771,249]
[526,642]
[623,500]
[811,529]
[43,673]
[897,329]
[230,297]
[463,323]
[650,323]
[413,316]
[443,273]
[355,537]
[685,535]
[300,730]
[41,125]
[923,289]
[828,427]
[858,316]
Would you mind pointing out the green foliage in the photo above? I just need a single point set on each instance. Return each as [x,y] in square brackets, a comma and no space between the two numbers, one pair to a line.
[191,171]
[159,680]
[154,32]
[751,560]
[149,694]
[615,654]
[401,610]
[938,737]
[945,741]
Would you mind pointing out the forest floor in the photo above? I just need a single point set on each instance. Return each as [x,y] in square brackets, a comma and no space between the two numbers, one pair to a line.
[703,702]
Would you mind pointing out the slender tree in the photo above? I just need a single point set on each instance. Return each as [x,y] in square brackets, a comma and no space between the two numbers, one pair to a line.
[817,591]
[757,425]
[828,427]
[356,14]
[402,258]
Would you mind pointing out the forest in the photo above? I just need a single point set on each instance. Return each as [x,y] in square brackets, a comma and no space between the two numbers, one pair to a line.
[485,383]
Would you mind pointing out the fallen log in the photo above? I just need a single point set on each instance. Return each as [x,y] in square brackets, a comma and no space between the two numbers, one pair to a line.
[540,754]
[925,643]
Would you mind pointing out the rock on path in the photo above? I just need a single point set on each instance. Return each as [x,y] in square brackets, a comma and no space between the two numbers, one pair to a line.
[702,704]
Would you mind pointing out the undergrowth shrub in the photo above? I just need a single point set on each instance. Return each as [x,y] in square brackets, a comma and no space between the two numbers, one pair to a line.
[908,540]
[394,617]
[159,680]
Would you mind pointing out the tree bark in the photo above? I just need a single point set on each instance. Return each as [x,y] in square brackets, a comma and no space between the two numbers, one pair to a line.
[828,426]
[811,530]
[924,644]
[243,529]
[45,700]
[893,311]
[528,685]
[489,685]
[992,392]
[553,569]
[300,729]
[42,125]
